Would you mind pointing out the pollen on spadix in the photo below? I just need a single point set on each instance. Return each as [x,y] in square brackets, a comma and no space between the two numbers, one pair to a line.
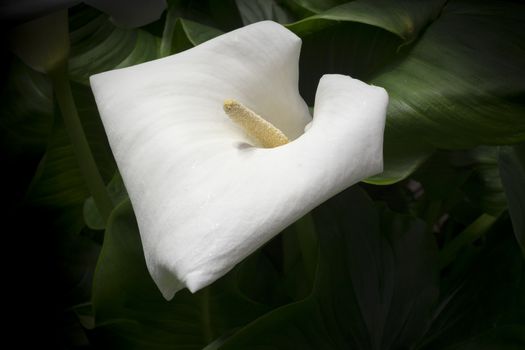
[256,127]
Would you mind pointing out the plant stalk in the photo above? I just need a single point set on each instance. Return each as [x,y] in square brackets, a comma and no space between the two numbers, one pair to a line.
[84,156]
[471,233]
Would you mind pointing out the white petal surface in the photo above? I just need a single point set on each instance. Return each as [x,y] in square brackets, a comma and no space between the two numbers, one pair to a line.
[204,199]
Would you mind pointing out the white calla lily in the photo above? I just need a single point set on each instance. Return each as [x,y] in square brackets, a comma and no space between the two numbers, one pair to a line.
[205,196]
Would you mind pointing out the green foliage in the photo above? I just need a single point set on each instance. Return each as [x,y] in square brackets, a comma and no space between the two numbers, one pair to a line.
[427,255]
[27,106]
[97,45]
[128,305]
[483,299]
[118,194]
[402,18]
[58,181]
[465,76]
[252,11]
[512,170]
[375,286]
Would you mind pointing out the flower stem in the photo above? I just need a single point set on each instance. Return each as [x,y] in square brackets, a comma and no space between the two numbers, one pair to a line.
[474,231]
[308,244]
[85,159]
[205,315]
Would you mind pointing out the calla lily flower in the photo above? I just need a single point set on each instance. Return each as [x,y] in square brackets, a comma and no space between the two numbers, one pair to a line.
[212,147]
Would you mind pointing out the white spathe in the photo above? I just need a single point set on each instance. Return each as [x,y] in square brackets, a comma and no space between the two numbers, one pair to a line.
[204,198]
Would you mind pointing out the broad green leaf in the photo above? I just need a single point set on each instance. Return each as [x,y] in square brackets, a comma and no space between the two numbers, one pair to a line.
[348,48]
[26,119]
[400,159]
[443,174]
[283,271]
[484,187]
[130,311]
[359,39]
[451,88]
[97,45]
[252,11]
[199,33]
[415,277]
[313,6]
[512,170]
[181,34]
[459,85]
[483,306]
[260,278]
[78,257]
[405,18]
[84,313]
[300,257]
[27,110]
[375,287]
[472,175]
[58,181]
[174,37]
[118,194]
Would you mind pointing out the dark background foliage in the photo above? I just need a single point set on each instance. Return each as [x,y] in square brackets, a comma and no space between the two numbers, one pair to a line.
[427,255]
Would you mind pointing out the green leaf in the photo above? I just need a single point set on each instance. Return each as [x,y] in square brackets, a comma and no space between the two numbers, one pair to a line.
[84,313]
[260,279]
[97,45]
[78,257]
[301,253]
[118,194]
[348,48]
[283,270]
[58,181]
[198,33]
[459,86]
[443,174]
[470,175]
[25,124]
[359,39]
[405,18]
[512,170]
[400,159]
[182,34]
[483,305]
[131,312]
[416,286]
[375,287]
[252,11]
[484,188]
[451,88]
[313,6]
[27,110]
